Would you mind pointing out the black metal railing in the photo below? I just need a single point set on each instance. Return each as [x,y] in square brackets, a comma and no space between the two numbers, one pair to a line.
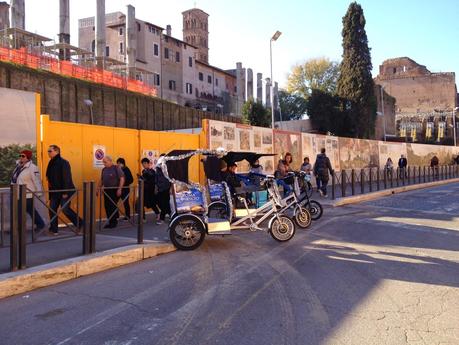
[349,182]
[15,201]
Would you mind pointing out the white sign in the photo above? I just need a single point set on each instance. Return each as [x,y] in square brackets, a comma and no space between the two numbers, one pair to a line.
[152,155]
[98,154]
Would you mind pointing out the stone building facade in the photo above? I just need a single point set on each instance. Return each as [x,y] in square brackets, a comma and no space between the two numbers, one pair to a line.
[423,98]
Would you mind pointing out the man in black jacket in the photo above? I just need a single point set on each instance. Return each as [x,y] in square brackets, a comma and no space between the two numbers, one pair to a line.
[61,189]
[163,196]
[321,168]
[402,164]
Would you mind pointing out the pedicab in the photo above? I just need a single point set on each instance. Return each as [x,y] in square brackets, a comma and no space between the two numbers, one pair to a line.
[190,222]
[251,184]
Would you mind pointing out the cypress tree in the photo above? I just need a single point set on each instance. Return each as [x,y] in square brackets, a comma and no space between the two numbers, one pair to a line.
[355,83]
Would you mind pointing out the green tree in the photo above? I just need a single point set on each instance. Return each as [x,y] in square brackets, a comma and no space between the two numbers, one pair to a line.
[255,114]
[355,82]
[292,106]
[318,73]
[328,113]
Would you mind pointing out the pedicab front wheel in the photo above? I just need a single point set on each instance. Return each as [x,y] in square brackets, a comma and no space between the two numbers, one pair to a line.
[281,228]
[302,217]
[187,232]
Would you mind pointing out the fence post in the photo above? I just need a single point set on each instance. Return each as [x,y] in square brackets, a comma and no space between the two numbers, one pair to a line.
[378,177]
[14,191]
[86,217]
[424,173]
[419,174]
[22,226]
[343,183]
[414,175]
[385,178]
[353,181]
[333,185]
[362,181]
[370,180]
[408,175]
[397,177]
[403,171]
[92,217]
[141,212]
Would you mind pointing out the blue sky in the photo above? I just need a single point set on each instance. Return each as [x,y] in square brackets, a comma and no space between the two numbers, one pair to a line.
[425,30]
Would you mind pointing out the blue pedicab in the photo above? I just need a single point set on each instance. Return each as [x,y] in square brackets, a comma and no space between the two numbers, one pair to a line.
[191,222]
[250,185]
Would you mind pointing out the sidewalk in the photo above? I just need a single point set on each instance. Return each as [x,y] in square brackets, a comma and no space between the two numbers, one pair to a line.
[47,250]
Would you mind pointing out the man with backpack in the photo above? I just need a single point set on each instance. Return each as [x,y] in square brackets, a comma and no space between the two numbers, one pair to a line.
[321,168]
[111,183]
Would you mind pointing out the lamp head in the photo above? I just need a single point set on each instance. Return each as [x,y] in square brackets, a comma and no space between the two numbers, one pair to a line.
[276,36]
[88,102]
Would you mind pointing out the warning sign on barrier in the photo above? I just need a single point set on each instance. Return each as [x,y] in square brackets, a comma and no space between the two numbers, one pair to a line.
[99,153]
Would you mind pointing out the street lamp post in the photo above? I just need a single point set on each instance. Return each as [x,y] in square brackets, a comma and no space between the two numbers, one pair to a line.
[454,124]
[273,39]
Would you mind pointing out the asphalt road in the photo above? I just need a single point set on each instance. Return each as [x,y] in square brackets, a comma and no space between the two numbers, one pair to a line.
[384,272]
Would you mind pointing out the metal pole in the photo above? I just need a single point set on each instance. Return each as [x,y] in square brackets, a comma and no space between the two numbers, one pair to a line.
[14,190]
[382,111]
[92,217]
[454,125]
[141,212]
[86,217]
[271,85]
[22,226]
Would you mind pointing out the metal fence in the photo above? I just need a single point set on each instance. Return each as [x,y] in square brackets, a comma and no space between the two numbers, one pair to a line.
[17,231]
[361,181]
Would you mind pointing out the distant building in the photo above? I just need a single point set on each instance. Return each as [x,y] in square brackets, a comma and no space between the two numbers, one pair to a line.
[4,15]
[425,101]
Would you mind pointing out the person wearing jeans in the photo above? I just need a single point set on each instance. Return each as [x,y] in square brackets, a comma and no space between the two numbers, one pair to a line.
[322,167]
[61,189]
[27,173]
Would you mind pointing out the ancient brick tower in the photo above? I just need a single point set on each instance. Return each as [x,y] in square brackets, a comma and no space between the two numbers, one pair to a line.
[196,32]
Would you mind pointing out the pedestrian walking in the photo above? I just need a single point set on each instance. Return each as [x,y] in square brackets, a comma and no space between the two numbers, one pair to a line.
[402,164]
[61,189]
[434,166]
[149,188]
[389,168]
[322,167]
[111,184]
[27,173]
[128,180]
[163,185]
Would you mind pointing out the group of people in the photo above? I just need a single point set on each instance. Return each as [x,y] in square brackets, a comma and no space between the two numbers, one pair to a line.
[321,170]
[114,185]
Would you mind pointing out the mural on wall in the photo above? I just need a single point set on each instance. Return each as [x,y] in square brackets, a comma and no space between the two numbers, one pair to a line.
[18,119]
[358,153]
[421,154]
[344,153]
[392,151]
[238,137]
[313,143]
[288,142]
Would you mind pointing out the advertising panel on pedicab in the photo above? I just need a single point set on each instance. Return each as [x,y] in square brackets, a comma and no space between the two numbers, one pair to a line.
[216,191]
[187,198]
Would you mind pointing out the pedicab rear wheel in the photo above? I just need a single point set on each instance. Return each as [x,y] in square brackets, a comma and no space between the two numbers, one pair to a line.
[187,232]
[281,228]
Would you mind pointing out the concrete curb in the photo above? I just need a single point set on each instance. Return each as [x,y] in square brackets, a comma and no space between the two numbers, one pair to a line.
[14,283]
[375,195]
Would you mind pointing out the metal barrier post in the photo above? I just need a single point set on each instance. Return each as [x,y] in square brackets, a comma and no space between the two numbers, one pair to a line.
[141,213]
[424,173]
[370,180]
[378,177]
[419,174]
[86,217]
[14,191]
[2,217]
[353,181]
[385,178]
[403,171]
[414,175]
[397,177]
[333,185]
[343,183]
[362,181]
[92,218]
[22,226]
[408,175]
[391,178]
